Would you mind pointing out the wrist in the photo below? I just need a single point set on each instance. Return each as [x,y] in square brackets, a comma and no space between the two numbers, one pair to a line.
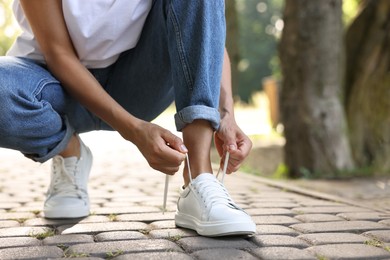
[226,113]
[129,128]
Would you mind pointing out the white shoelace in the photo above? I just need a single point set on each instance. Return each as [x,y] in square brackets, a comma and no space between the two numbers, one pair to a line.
[63,181]
[190,176]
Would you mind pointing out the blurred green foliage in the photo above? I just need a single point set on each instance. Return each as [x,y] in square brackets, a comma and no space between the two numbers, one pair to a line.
[8,28]
[350,10]
[260,26]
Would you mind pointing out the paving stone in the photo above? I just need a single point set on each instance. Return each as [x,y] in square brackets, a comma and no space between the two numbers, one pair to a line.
[332,238]
[23,231]
[326,210]
[275,230]
[155,256]
[28,209]
[118,204]
[319,203]
[146,217]
[68,240]
[175,233]
[100,249]
[9,205]
[338,226]
[19,242]
[61,222]
[158,203]
[385,222]
[162,224]
[16,215]
[288,205]
[89,228]
[373,216]
[15,199]
[285,253]
[136,198]
[35,252]
[274,220]
[350,251]
[226,254]
[318,218]
[275,195]
[261,200]
[34,204]
[119,235]
[198,243]
[9,223]
[278,240]
[381,235]
[79,258]
[269,211]
[124,210]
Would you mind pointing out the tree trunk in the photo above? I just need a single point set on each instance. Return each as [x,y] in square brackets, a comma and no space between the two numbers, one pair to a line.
[232,41]
[311,56]
[368,85]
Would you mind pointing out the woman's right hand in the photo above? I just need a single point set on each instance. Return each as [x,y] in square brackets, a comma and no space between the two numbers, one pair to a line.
[163,150]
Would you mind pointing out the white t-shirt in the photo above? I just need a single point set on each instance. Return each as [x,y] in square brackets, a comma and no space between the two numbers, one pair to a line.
[100,29]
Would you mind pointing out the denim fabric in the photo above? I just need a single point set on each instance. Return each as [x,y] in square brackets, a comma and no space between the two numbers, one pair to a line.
[178,58]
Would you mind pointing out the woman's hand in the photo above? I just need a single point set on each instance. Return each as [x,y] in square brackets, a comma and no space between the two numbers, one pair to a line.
[163,150]
[231,138]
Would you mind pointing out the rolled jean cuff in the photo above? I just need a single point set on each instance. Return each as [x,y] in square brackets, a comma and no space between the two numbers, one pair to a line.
[188,114]
[69,131]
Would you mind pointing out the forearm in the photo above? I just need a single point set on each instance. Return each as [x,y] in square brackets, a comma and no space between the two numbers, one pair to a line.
[226,103]
[49,27]
[81,84]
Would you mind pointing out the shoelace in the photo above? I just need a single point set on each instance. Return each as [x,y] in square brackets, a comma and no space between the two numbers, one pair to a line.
[190,176]
[64,182]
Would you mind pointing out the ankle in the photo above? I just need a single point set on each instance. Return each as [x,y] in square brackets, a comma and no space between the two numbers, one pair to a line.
[72,149]
[194,174]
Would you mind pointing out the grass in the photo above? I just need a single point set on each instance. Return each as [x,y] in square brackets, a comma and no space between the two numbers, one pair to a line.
[174,238]
[43,235]
[36,212]
[377,243]
[320,257]
[74,254]
[113,217]
[112,254]
[62,247]
[20,220]
[145,231]
[374,242]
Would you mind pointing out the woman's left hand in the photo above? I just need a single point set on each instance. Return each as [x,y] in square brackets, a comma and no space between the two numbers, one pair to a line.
[231,138]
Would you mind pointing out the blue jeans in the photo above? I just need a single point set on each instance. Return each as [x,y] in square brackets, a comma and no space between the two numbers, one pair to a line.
[178,58]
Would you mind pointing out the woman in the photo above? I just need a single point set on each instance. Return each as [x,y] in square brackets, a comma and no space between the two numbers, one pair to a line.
[81,66]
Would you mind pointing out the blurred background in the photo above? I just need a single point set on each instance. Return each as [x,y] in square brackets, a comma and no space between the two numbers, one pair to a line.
[311,82]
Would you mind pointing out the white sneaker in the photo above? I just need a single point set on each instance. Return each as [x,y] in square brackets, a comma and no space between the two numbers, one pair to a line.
[67,196]
[206,207]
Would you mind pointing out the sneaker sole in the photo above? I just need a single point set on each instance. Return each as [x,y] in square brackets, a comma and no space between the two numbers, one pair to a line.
[67,213]
[215,229]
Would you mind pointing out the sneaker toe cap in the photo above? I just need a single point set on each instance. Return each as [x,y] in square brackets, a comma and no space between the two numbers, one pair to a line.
[223,213]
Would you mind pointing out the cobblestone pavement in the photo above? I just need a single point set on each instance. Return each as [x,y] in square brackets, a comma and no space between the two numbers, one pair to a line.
[126,220]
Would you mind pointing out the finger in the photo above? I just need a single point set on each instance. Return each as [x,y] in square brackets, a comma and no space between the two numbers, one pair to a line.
[245,146]
[169,170]
[174,142]
[235,161]
[218,144]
